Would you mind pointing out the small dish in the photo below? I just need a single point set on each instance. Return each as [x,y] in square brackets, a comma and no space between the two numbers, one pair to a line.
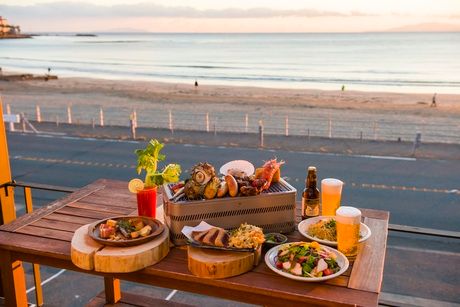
[274,238]
[242,165]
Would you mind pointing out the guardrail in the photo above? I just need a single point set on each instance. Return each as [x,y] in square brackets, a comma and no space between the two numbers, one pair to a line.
[370,128]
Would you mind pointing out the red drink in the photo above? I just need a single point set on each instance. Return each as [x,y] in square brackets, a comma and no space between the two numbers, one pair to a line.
[147,202]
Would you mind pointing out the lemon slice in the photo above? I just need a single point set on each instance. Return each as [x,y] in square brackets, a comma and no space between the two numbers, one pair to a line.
[135,185]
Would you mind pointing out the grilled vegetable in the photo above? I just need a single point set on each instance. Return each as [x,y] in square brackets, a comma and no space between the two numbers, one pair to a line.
[145,231]
[211,188]
[223,189]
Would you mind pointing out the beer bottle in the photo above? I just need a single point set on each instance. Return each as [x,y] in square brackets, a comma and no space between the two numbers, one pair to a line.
[310,195]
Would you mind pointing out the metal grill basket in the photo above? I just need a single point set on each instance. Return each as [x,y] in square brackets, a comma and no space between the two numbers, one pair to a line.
[272,210]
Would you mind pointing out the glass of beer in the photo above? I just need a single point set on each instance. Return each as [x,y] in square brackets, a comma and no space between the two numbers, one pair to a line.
[348,222]
[331,191]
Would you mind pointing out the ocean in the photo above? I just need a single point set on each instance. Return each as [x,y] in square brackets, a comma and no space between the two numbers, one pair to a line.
[394,62]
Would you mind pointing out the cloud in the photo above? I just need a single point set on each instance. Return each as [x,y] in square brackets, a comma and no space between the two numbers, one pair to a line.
[74,9]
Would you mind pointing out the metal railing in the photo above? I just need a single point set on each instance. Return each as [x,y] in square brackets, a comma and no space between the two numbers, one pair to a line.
[387,300]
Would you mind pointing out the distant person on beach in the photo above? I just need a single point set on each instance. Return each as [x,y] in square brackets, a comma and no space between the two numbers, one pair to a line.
[343,88]
[196,83]
[433,101]
[49,70]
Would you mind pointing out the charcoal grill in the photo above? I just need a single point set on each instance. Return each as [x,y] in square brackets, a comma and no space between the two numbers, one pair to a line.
[273,210]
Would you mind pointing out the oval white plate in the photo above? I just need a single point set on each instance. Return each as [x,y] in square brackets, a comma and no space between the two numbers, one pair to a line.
[364,230]
[270,257]
[242,165]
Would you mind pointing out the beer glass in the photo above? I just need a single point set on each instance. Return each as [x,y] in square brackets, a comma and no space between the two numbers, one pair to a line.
[348,222]
[331,191]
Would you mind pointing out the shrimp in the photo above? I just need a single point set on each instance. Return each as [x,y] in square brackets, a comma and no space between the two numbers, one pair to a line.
[270,167]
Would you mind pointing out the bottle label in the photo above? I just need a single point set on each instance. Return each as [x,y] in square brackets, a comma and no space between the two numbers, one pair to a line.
[310,207]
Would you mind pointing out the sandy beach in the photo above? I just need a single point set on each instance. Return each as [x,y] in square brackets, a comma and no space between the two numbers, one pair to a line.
[347,114]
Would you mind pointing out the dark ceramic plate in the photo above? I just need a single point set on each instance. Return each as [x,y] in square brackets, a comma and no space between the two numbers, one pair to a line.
[230,249]
[157,229]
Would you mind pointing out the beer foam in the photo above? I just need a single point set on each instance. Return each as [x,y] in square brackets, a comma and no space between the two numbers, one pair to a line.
[332,182]
[348,212]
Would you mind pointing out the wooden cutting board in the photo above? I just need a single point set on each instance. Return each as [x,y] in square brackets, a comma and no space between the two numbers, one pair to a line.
[208,263]
[87,254]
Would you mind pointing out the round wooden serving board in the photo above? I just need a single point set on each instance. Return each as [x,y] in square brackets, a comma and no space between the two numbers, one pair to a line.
[87,254]
[208,263]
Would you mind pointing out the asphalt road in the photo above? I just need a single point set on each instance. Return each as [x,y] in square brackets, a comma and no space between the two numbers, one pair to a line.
[423,193]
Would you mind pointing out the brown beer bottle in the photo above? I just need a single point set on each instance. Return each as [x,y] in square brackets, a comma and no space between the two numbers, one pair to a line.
[310,195]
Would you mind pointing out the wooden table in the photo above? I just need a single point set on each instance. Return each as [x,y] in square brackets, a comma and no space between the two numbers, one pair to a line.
[44,237]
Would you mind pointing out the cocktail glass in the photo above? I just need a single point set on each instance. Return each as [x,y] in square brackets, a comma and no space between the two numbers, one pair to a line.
[147,202]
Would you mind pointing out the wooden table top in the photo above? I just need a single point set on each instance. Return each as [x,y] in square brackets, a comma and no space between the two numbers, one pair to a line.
[44,237]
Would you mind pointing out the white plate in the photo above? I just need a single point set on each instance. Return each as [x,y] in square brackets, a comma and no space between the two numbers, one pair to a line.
[270,257]
[242,165]
[364,231]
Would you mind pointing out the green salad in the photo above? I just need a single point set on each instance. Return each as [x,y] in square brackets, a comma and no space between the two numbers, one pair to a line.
[307,260]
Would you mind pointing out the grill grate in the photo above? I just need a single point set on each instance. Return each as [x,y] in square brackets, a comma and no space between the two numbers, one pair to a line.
[277,187]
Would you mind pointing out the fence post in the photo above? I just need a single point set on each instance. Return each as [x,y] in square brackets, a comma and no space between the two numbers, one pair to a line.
[171,128]
[215,129]
[23,123]
[93,122]
[69,114]
[286,126]
[330,128]
[135,118]
[101,117]
[308,135]
[375,131]
[246,123]
[361,136]
[57,120]
[261,133]
[10,124]
[207,122]
[417,142]
[133,126]
[38,114]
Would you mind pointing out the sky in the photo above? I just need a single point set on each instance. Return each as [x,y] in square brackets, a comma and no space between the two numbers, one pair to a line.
[232,16]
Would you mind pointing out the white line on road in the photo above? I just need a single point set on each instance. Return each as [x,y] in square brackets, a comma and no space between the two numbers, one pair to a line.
[419,250]
[47,280]
[170,295]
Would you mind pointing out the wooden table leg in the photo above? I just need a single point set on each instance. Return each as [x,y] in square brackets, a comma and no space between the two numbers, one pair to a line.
[13,280]
[112,290]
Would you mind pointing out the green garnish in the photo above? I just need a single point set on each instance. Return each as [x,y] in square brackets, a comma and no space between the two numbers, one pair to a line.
[148,158]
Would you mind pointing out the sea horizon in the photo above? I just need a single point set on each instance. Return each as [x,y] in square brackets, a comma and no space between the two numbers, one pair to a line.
[412,62]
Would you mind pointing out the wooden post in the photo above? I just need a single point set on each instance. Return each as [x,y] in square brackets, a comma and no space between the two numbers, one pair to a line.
[8,211]
[38,113]
[261,134]
[308,135]
[36,267]
[207,122]
[93,123]
[112,290]
[286,126]
[246,123]
[69,114]
[417,142]
[171,122]
[361,136]
[330,129]
[101,117]
[57,120]
[13,280]
[11,124]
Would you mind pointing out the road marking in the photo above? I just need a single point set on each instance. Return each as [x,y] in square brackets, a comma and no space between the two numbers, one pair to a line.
[170,295]
[402,188]
[47,280]
[420,250]
[76,162]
